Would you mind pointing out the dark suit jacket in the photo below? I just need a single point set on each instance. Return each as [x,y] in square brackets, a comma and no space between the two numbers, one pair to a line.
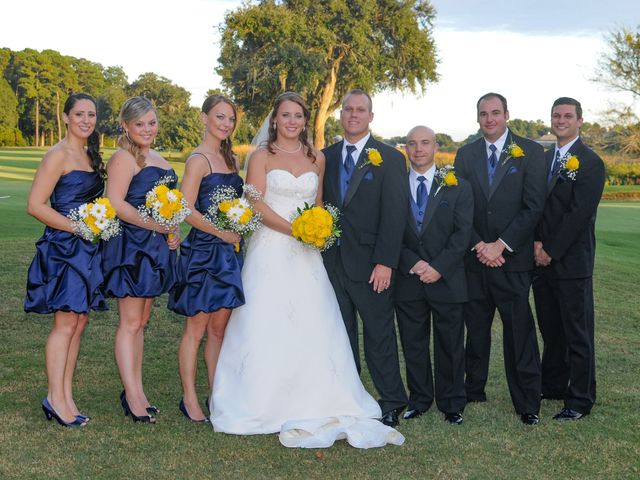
[510,209]
[374,211]
[567,227]
[442,242]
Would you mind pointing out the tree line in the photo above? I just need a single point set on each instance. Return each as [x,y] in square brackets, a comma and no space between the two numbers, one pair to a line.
[34,86]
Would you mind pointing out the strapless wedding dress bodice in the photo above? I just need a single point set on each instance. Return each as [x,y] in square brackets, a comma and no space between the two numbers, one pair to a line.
[286,363]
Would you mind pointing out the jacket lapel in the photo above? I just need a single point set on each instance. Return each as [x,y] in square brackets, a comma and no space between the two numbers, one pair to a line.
[502,167]
[332,177]
[480,166]
[432,204]
[550,154]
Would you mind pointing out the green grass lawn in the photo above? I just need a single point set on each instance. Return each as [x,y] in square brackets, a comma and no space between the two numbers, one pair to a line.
[491,444]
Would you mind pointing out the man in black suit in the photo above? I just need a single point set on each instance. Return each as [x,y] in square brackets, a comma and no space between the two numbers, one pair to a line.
[508,179]
[564,252]
[372,198]
[431,280]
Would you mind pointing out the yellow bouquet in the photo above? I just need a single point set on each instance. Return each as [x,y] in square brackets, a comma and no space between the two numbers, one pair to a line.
[95,220]
[165,205]
[316,226]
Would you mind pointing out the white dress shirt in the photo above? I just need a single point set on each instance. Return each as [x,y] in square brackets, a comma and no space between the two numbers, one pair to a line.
[413,180]
[499,143]
[359,147]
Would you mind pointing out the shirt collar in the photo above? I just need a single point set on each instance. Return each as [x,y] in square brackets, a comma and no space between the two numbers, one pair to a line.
[429,174]
[499,143]
[359,147]
[565,148]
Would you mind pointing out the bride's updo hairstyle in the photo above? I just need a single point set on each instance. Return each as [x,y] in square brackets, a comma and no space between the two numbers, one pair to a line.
[133,109]
[304,134]
[226,145]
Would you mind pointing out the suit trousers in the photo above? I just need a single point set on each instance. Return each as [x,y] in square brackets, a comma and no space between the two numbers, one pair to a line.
[379,334]
[414,321]
[494,288]
[565,314]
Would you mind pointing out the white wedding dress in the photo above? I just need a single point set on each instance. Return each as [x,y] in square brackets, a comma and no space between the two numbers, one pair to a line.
[286,363]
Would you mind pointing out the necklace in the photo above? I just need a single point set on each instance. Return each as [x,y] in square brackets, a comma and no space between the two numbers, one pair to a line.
[288,151]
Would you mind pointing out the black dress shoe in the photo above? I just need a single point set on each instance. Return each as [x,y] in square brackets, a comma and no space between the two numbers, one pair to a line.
[390,419]
[413,413]
[530,418]
[569,414]
[454,418]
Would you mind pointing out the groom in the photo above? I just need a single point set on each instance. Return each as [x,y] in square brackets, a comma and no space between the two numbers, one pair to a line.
[366,179]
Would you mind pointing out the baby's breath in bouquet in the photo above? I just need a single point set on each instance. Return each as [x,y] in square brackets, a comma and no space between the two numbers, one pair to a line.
[165,205]
[316,226]
[233,213]
[95,220]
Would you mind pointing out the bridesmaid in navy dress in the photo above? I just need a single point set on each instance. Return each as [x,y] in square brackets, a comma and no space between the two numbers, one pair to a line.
[65,276]
[209,284]
[138,265]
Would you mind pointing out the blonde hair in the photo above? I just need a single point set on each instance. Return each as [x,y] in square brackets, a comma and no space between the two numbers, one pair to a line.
[131,110]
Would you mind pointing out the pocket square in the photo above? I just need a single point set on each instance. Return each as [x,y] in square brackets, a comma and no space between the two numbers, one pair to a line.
[512,169]
[444,203]
[368,176]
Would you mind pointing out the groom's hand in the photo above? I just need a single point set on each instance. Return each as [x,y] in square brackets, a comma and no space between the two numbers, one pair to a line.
[380,278]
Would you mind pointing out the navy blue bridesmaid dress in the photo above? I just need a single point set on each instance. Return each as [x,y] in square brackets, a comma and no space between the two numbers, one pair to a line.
[66,274]
[139,263]
[208,268]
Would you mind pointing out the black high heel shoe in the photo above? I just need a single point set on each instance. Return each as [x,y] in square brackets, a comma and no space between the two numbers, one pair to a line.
[135,418]
[183,409]
[50,413]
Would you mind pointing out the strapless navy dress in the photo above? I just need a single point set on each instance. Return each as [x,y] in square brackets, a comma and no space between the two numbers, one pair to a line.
[208,269]
[66,272]
[138,263]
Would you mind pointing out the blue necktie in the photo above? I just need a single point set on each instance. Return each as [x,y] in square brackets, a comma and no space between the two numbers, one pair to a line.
[493,160]
[421,194]
[349,164]
[555,166]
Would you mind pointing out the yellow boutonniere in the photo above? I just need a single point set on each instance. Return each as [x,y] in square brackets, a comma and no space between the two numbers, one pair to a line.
[373,158]
[445,177]
[569,165]
[513,150]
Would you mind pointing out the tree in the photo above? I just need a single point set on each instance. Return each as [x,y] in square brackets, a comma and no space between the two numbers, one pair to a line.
[528,128]
[324,49]
[8,114]
[619,67]
[110,100]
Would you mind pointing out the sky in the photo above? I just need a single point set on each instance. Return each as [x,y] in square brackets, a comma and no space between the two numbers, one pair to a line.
[530,51]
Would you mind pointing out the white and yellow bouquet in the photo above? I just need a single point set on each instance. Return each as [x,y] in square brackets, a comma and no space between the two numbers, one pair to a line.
[445,177]
[165,205]
[233,213]
[95,220]
[316,226]
[513,150]
[569,165]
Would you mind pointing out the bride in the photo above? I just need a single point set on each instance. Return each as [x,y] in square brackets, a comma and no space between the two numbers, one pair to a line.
[286,364]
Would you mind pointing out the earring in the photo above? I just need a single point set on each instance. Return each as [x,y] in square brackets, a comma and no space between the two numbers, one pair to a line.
[274,125]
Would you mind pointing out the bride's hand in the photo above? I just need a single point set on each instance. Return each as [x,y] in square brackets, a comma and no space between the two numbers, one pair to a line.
[229,237]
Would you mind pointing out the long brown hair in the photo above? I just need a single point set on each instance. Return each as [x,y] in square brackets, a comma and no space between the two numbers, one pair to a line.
[133,108]
[226,146]
[304,134]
